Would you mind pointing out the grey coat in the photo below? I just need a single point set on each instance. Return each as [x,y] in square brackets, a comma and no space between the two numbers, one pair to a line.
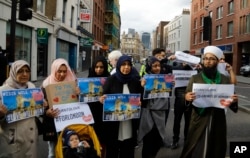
[18,139]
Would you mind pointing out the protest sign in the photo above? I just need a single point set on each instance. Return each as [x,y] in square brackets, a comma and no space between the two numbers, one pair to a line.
[61,93]
[213,95]
[182,77]
[22,103]
[120,107]
[187,58]
[90,88]
[158,86]
[72,113]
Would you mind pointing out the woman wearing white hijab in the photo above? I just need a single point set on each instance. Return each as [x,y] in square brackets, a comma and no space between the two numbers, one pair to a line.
[18,139]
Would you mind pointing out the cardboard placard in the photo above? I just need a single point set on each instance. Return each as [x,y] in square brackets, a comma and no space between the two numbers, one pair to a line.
[61,93]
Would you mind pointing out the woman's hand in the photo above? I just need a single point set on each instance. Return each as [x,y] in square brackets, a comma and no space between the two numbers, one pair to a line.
[190,96]
[143,82]
[53,113]
[102,98]
[3,110]
[77,90]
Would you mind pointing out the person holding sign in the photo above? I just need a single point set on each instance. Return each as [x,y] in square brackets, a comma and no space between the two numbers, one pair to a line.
[99,69]
[226,69]
[18,139]
[121,136]
[180,107]
[60,72]
[152,123]
[207,135]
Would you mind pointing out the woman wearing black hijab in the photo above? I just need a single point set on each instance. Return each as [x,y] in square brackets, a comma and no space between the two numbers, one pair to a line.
[121,136]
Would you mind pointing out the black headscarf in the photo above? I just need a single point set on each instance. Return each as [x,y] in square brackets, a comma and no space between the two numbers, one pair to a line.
[151,61]
[92,72]
[128,77]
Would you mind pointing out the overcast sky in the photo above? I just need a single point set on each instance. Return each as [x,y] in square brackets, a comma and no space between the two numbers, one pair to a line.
[145,15]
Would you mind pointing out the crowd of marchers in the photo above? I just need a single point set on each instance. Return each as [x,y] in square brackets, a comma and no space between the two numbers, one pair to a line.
[204,129]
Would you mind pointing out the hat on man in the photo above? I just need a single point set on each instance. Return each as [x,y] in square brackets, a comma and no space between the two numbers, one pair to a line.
[213,50]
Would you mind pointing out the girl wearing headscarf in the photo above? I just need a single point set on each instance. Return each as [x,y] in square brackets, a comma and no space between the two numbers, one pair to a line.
[18,139]
[60,72]
[121,136]
[152,123]
[99,69]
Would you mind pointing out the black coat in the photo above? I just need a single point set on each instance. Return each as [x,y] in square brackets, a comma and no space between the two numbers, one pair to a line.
[113,86]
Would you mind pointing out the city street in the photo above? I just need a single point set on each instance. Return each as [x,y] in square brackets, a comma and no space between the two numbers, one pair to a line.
[237,123]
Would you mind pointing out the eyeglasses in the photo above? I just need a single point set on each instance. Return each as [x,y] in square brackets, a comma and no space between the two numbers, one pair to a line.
[21,71]
[209,59]
[222,59]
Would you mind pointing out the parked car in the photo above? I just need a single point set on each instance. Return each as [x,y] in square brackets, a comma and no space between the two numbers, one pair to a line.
[245,70]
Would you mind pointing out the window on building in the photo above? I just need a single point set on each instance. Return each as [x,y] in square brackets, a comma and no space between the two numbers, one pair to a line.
[211,14]
[230,7]
[219,32]
[244,4]
[248,23]
[41,6]
[244,24]
[230,29]
[195,24]
[219,12]
[72,16]
[195,38]
[201,37]
[64,10]
[201,20]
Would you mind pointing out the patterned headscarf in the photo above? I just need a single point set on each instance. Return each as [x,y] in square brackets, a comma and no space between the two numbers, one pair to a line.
[128,77]
[11,81]
[54,68]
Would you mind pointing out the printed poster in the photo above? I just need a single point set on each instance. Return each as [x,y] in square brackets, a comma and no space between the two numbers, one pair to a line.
[213,95]
[158,86]
[182,77]
[72,113]
[90,88]
[61,93]
[120,107]
[22,103]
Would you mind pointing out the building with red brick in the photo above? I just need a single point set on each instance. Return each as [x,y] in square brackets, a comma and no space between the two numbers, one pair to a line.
[229,29]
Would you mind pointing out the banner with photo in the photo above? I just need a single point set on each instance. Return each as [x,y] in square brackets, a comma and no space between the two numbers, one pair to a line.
[22,103]
[182,77]
[213,95]
[72,113]
[90,88]
[158,86]
[120,107]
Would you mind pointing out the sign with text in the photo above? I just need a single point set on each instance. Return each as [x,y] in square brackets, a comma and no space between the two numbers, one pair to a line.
[213,95]
[158,85]
[22,103]
[187,58]
[72,113]
[182,77]
[90,88]
[85,15]
[120,107]
[61,93]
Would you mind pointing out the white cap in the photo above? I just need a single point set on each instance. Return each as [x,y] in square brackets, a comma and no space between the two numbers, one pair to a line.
[213,50]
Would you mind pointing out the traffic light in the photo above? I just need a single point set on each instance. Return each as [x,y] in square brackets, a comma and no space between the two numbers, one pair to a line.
[24,9]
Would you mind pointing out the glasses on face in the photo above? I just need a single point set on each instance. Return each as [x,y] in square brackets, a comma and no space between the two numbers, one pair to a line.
[209,59]
[21,71]
[222,59]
